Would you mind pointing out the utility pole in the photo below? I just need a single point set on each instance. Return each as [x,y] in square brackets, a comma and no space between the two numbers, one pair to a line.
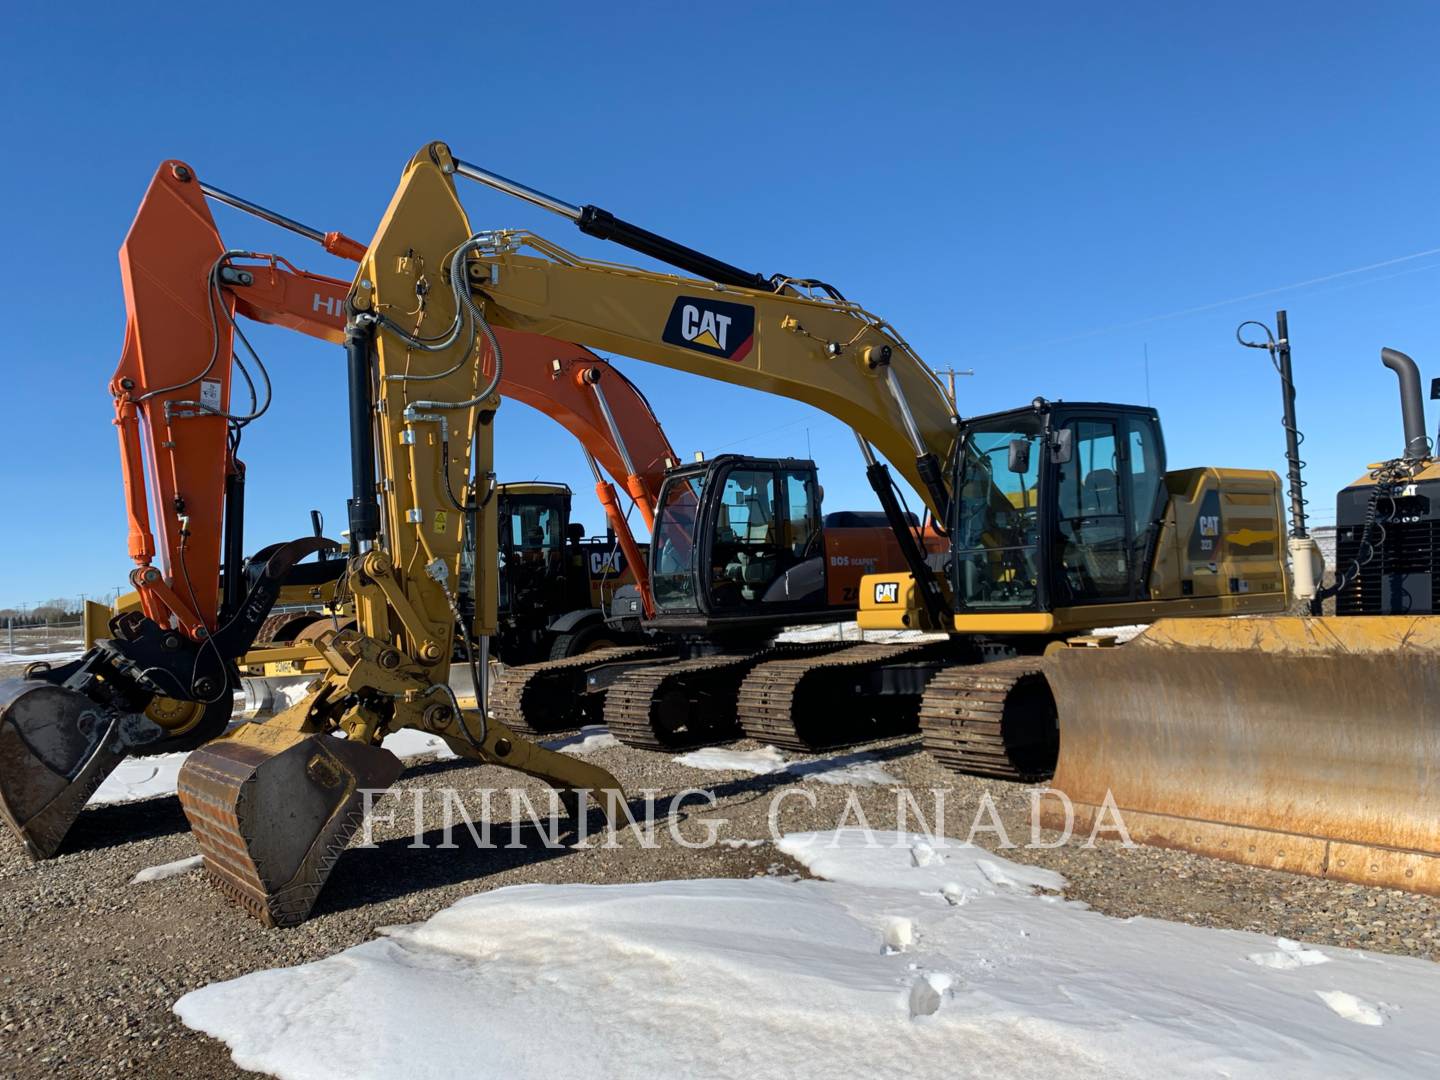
[950,373]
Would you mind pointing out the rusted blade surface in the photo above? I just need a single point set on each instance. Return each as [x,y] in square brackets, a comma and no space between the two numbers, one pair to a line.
[56,747]
[273,810]
[1314,761]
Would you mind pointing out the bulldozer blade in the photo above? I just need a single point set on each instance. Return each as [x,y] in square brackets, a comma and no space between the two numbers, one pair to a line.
[1306,745]
[56,747]
[273,809]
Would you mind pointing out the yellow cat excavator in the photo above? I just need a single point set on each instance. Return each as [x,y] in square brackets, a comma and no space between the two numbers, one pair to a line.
[184,482]
[1064,518]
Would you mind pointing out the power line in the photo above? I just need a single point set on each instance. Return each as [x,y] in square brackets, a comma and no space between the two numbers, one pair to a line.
[758,434]
[1182,312]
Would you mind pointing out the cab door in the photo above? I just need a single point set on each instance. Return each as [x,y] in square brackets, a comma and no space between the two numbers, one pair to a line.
[1109,498]
[767,552]
[1094,523]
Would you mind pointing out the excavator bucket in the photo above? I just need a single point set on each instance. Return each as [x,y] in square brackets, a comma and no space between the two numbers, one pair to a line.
[273,808]
[56,746]
[64,729]
[1310,745]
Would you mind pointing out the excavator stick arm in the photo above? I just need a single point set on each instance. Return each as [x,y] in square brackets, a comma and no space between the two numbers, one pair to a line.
[273,805]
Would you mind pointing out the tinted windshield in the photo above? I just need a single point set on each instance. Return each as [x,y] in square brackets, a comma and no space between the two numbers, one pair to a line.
[532,544]
[997,533]
[672,547]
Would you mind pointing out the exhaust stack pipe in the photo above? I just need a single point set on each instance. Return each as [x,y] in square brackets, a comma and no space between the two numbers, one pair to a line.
[1412,405]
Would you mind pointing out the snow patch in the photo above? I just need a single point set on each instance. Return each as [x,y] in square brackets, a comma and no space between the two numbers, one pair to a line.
[1122,634]
[956,894]
[764,761]
[1009,875]
[591,738]
[155,776]
[851,632]
[927,993]
[899,933]
[1289,956]
[151,777]
[930,864]
[169,869]
[859,770]
[139,778]
[1349,1007]
[410,745]
[790,978]
[47,657]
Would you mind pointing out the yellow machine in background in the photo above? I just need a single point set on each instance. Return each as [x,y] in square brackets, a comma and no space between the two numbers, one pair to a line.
[1304,744]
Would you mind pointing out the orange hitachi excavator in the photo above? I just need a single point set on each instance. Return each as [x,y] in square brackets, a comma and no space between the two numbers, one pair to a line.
[164,680]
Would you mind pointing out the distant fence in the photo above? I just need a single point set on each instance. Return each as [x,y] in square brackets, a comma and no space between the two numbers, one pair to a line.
[18,632]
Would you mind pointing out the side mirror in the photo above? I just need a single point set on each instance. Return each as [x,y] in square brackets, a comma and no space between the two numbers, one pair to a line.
[1062,445]
[1019,456]
[575,532]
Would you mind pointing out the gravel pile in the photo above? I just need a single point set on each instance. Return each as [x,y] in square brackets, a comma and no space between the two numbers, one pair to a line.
[93,963]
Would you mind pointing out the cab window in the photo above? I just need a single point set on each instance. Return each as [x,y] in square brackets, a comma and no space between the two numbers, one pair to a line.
[1094,538]
[745,549]
[997,532]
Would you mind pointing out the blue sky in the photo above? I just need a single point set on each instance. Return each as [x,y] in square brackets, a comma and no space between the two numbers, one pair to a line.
[1029,190]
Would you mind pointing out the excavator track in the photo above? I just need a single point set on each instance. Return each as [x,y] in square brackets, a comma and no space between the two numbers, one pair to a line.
[810,703]
[996,720]
[541,699]
[689,703]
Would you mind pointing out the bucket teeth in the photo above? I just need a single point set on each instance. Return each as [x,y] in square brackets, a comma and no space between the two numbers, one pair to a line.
[56,747]
[273,810]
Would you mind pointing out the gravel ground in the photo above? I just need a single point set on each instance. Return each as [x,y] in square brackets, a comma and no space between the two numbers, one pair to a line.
[93,963]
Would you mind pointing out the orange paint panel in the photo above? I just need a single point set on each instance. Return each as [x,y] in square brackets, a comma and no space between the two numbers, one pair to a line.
[171,335]
[850,554]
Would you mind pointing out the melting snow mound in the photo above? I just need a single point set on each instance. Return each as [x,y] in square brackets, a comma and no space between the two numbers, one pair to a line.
[168,870]
[859,770]
[875,972]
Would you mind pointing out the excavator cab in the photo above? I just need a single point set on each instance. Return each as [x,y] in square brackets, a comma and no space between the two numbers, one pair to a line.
[535,572]
[554,582]
[738,540]
[1058,505]
[1066,519]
